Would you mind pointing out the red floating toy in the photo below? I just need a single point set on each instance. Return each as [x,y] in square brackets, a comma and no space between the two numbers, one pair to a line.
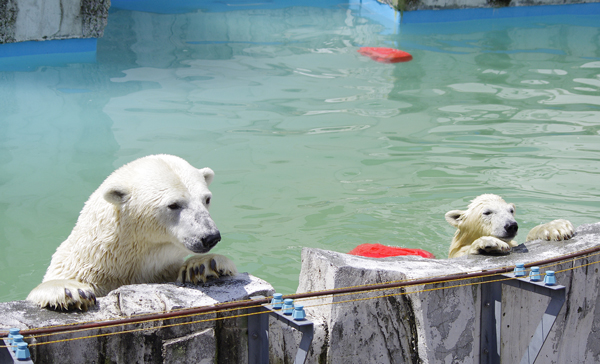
[382,251]
[385,55]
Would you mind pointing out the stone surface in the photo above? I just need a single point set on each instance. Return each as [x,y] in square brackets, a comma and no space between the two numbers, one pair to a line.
[191,339]
[433,323]
[437,323]
[26,20]
[8,17]
[94,17]
[199,347]
[410,5]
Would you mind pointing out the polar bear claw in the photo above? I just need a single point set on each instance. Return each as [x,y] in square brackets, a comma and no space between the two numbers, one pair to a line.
[202,267]
[557,230]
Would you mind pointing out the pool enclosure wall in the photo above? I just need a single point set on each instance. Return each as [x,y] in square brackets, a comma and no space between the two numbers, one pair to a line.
[28,20]
[437,322]
[446,322]
[40,20]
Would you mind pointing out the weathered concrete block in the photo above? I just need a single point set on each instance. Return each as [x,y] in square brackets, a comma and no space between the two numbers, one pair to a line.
[195,338]
[440,323]
[26,20]
[284,341]
[199,347]
[8,18]
[94,17]
[411,5]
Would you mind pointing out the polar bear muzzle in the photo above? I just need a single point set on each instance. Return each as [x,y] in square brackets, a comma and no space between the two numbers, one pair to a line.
[511,229]
[204,244]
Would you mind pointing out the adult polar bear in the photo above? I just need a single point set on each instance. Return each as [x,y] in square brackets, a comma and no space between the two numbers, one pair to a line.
[488,226]
[137,227]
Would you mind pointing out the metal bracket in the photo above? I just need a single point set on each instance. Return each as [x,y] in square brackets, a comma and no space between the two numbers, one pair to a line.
[491,316]
[8,357]
[258,334]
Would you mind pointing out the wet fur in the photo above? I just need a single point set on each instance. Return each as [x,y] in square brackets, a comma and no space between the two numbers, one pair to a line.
[131,231]
[482,228]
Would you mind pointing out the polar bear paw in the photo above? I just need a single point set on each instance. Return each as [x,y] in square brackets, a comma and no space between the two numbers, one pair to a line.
[201,267]
[489,245]
[557,230]
[63,295]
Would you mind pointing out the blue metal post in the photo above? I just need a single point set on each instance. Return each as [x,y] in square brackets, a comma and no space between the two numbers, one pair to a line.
[258,348]
[7,356]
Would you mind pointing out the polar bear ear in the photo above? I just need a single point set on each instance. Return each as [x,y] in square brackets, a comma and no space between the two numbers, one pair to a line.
[117,195]
[454,217]
[208,175]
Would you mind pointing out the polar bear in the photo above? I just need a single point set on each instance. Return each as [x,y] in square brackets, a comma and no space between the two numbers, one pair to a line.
[137,227]
[488,226]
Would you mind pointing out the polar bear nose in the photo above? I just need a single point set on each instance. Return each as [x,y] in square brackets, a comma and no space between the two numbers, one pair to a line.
[511,228]
[211,240]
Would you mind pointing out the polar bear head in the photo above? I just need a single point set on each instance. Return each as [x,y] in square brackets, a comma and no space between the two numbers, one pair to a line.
[486,215]
[160,199]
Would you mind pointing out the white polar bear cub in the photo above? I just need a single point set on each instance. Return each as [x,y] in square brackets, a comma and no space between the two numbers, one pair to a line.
[137,227]
[488,226]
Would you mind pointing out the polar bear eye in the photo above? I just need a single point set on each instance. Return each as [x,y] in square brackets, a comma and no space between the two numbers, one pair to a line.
[487,212]
[174,206]
[207,202]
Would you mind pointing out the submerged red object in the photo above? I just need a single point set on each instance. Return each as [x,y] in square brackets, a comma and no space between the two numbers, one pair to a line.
[382,251]
[385,55]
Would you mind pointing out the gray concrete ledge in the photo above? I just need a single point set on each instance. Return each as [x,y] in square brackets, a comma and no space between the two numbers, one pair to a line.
[37,20]
[411,5]
[434,323]
[442,325]
[221,341]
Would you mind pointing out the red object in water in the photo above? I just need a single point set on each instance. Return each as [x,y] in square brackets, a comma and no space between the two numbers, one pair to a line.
[385,55]
[382,251]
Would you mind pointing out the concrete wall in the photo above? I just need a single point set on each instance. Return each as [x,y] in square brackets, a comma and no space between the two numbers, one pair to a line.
[436,323]
[410,5]
[222,341]
[443,326]
[25,20]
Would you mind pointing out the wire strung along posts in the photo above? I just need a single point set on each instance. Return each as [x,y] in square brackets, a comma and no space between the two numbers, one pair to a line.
[287,313]
[386,289]
[14,350]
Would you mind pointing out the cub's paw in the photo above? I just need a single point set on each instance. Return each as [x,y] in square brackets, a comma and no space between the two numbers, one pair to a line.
[556,230]
[200,267]
[489,245]
[63,295]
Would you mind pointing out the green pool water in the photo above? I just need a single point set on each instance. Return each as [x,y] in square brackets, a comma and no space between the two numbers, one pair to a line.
[313,145]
